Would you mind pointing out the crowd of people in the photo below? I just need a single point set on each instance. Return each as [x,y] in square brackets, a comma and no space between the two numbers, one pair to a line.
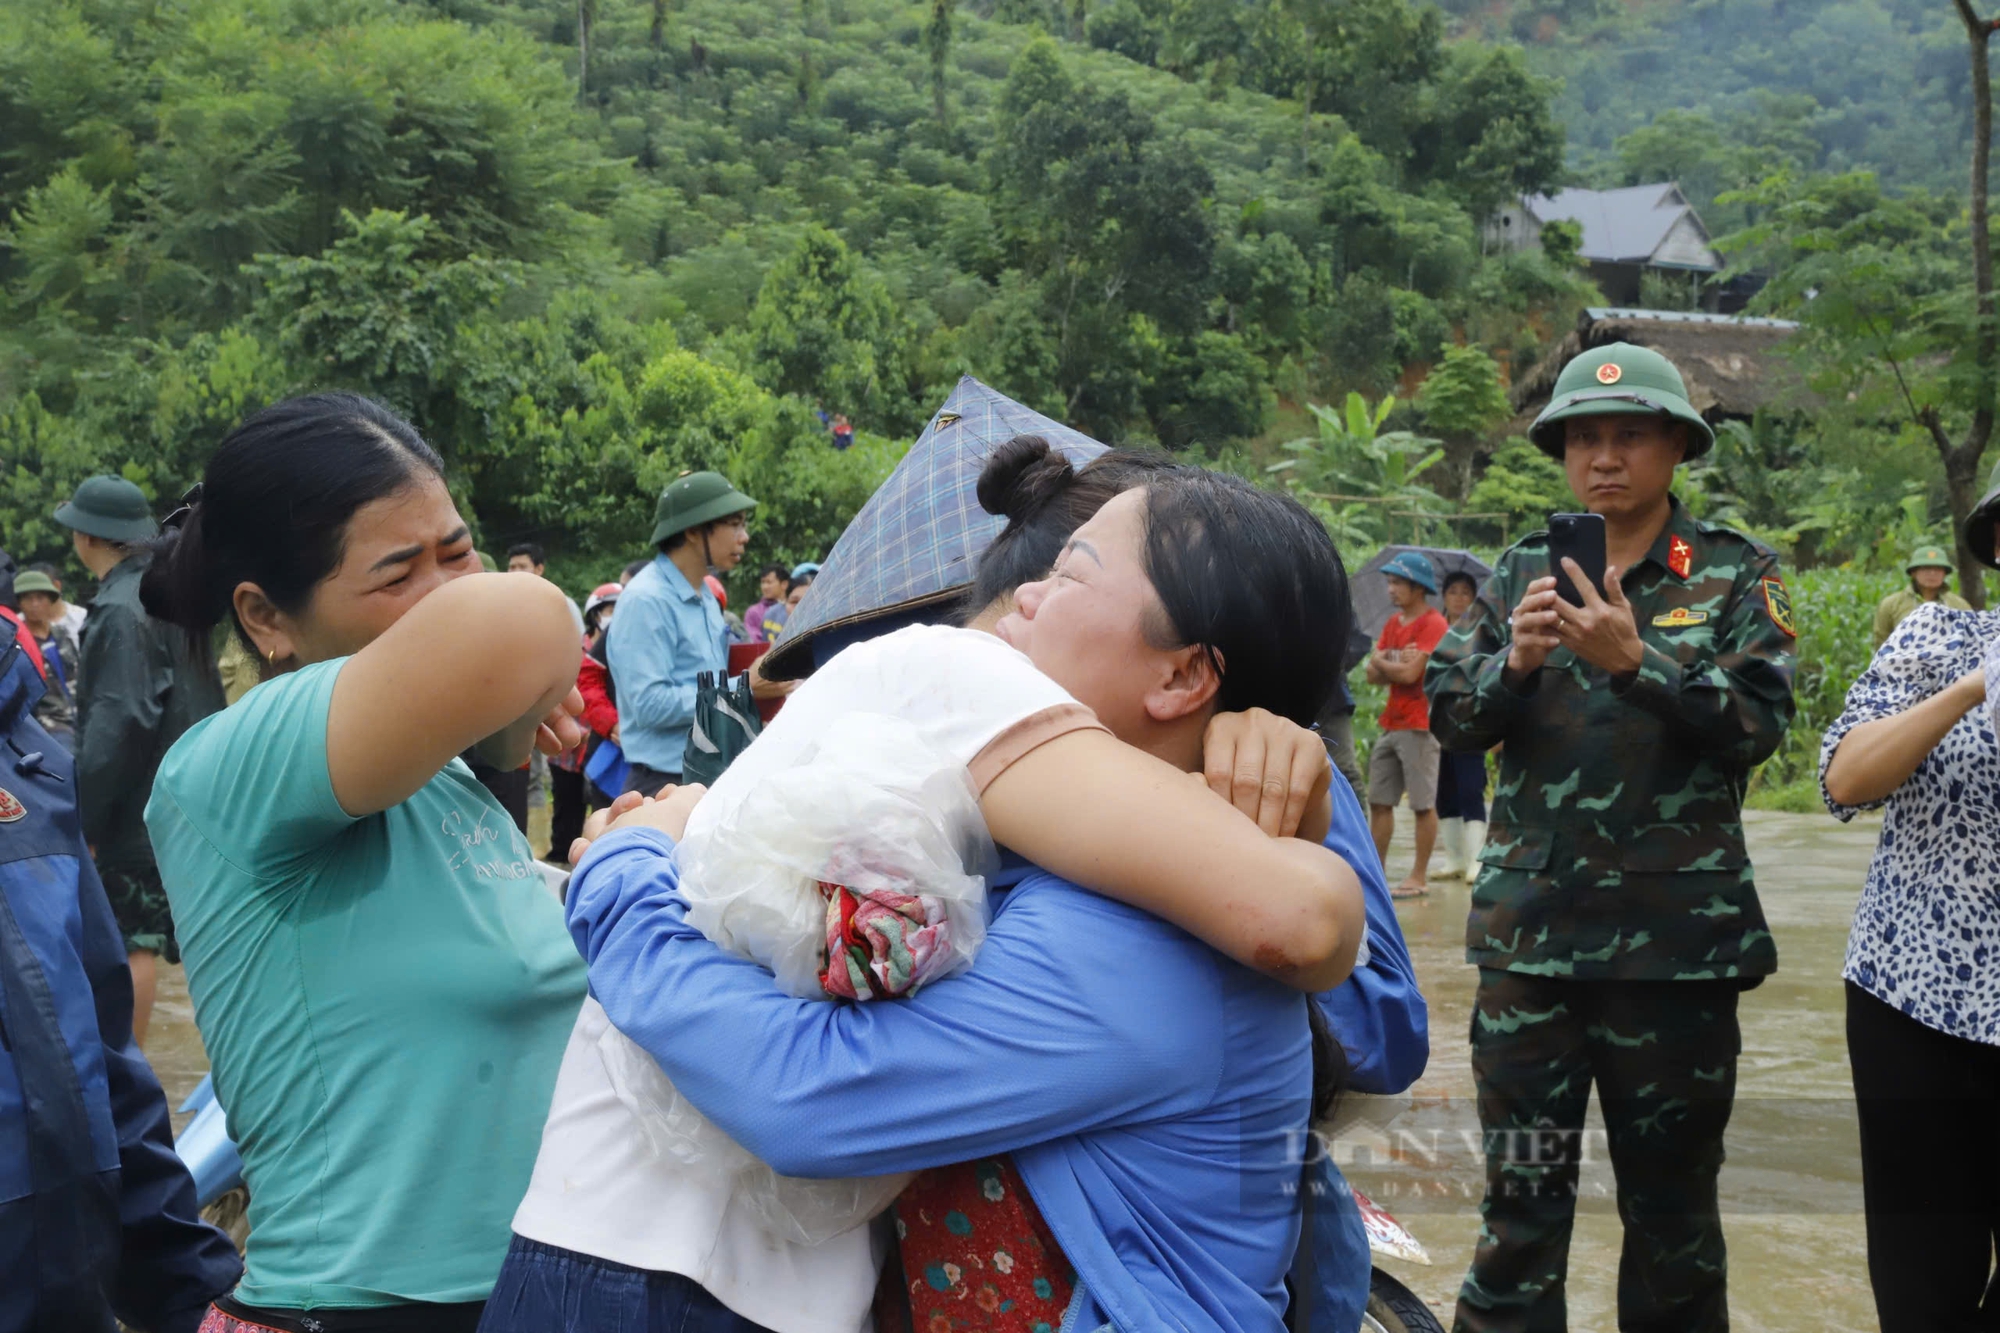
[464,1099]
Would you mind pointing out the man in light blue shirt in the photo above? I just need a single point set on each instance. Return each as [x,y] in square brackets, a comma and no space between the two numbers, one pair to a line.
[669,628]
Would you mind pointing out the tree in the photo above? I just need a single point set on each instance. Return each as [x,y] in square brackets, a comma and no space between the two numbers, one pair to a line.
[1462,401]
[1523,483]
[1961,457]
[1361,480]
[825,329]
[1891,331]
[1107,223]
[372,314]
[937,45]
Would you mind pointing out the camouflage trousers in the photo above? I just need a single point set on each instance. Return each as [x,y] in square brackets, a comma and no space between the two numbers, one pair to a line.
[1663,1057]
[139,902]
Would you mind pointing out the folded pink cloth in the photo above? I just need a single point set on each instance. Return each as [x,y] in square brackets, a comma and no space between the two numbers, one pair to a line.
[882,945]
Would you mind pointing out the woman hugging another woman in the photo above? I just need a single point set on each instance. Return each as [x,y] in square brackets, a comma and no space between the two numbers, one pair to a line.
[1111,1105]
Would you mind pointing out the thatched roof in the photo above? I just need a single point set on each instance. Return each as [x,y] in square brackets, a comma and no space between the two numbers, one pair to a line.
[1731,364]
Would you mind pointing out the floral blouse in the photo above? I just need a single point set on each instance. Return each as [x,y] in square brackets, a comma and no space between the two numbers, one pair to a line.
[1926,935]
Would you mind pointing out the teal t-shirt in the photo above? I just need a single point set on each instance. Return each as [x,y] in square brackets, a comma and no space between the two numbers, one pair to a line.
[385,1001]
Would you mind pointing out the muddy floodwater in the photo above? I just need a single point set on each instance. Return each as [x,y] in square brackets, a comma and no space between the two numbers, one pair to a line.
[1792,1187]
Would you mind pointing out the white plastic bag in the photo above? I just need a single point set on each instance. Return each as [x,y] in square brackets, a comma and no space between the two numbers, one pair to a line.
[804,1212]
[868,803]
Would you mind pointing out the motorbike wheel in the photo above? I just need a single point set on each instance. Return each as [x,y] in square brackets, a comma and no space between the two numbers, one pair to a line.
[1394,1308]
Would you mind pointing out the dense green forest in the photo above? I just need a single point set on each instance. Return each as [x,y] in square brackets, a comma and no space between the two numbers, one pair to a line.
[585,244]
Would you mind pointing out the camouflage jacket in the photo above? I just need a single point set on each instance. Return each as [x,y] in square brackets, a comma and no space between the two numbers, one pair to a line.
[1616,847]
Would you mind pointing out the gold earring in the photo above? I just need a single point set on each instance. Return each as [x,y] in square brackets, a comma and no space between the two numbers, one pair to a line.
[272,657]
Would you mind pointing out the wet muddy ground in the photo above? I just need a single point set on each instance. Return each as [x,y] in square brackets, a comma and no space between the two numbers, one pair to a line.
[1791,1190]
[1792,1186]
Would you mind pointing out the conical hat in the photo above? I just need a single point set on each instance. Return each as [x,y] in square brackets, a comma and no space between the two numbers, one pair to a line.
[917,541]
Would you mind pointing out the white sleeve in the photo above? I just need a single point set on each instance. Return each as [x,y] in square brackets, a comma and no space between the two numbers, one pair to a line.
[971,695]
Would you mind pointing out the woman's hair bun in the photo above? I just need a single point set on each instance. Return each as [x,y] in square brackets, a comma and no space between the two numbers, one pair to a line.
[1023,476]
[177,586]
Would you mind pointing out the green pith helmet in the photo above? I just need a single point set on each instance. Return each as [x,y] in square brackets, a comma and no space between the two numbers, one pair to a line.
[111,508]
[697,498]
[1979,524]
[1619,378]
[1924,557]
[35,581]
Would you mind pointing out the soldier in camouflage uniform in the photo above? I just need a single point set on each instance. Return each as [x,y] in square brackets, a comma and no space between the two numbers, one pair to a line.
[1614,920]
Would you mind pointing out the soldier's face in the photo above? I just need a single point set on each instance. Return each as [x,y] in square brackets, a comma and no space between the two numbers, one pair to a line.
[1620,465]
[1929,579]
[39,610]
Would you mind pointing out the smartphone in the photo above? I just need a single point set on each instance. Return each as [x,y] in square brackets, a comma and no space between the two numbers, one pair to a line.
[1581,538]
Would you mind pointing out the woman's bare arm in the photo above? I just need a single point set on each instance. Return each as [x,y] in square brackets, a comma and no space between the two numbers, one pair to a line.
[1132,827]
[1877,757]
[487,655]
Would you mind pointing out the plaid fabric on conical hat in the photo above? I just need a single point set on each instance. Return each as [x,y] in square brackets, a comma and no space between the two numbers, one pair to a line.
[917,541]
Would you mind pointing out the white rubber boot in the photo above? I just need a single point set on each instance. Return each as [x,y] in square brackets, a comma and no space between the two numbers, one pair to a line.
[1446,861]
[1475,838]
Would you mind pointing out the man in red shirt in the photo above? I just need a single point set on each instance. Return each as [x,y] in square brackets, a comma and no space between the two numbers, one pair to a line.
[1405,758]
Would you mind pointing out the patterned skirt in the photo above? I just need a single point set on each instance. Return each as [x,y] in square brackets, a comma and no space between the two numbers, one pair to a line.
[976,1254]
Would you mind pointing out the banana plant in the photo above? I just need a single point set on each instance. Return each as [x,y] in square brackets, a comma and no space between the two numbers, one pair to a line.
[1362,480]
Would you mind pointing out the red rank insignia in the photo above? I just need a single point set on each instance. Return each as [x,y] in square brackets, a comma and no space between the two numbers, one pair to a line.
[1680,556]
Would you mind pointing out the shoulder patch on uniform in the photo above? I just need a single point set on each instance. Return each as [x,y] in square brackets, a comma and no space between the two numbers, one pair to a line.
[1679,618]
[1680,555]
[1778,601]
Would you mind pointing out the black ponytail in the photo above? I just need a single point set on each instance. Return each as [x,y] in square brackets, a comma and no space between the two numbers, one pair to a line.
[273,506]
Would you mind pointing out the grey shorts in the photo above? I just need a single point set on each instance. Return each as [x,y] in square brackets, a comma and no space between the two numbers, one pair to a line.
[1404,761]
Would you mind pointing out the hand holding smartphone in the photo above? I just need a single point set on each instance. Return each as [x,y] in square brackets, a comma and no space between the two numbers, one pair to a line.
[1580,537]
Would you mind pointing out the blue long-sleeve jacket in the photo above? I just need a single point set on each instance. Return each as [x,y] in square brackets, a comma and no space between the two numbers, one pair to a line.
[97,1214]
[667,632]
[1153,1093]
[1378,1013]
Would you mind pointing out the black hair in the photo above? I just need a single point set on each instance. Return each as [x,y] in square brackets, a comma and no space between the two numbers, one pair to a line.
[533,550]
[274,503]
[1251,577]
[1044,499]
[793,585]
[632,570]
[1458,576]
[774,568]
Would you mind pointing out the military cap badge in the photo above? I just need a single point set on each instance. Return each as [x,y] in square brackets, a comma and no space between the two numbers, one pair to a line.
[1610,373]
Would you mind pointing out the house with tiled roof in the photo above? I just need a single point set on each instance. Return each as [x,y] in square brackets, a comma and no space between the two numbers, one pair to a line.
[1626,233]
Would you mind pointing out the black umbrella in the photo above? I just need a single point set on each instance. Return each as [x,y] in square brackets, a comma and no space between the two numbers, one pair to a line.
[1369,587]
